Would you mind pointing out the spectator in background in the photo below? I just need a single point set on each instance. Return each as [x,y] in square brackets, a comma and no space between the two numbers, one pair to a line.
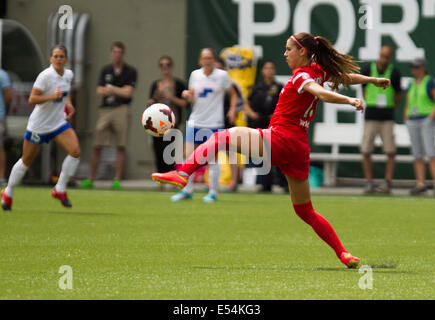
[259,108]
[166,90]
[116,86]
[220,64]
[379,117]
[419,116]
[5,102]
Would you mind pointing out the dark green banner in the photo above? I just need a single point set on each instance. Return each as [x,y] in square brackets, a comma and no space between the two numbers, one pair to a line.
[358,28]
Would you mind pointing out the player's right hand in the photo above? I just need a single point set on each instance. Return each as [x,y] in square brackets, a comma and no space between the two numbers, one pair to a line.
[382,82]
[58,94]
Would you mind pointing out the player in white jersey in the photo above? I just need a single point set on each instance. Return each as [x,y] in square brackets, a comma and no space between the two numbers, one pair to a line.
[48,121]
[207,88]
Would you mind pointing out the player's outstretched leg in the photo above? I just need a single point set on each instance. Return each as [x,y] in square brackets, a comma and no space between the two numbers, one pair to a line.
[203,154]
[228,139]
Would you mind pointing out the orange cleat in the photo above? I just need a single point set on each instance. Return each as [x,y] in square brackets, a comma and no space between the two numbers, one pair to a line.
[171,177]
[349,260]
[6,201]
[62,196]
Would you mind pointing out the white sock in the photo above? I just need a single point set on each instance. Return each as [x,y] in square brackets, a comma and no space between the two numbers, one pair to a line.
[189,186]
[18,171]
[213,173]
[69,167]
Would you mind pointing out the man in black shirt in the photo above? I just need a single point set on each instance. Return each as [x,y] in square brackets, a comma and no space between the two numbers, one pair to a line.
[379,117]
[116,86]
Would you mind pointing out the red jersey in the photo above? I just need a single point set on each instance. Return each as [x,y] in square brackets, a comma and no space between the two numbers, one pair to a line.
[295,106]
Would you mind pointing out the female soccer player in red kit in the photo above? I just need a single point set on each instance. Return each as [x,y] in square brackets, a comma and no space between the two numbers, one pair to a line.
[313,61]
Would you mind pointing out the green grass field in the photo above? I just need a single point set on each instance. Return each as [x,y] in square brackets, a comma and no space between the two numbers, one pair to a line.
[139,245]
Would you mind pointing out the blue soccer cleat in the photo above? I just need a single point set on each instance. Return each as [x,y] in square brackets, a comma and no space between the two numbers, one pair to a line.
[180,196]
[210,198]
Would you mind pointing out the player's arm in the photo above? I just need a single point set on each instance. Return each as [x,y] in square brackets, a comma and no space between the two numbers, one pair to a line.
[179,101]
[333,97]
[188,95]
[70,108]
[233,104]
[249,112]
[356,78]
[37,97]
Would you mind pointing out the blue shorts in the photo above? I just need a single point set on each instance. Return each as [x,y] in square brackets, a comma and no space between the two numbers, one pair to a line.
[199,135]
[37,138]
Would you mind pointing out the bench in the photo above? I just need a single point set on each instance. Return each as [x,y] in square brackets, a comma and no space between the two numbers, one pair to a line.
[338,135]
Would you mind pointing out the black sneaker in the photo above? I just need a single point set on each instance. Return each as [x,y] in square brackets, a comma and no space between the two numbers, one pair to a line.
[418,191]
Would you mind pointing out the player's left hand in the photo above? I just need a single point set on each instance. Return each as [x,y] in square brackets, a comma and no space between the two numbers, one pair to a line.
[231,115]
[382,82]
[71,111]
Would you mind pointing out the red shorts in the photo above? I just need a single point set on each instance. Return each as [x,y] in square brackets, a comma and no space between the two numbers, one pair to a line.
[289,150]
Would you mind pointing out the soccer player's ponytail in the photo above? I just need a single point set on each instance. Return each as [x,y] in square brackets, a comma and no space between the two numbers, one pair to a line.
[336,64]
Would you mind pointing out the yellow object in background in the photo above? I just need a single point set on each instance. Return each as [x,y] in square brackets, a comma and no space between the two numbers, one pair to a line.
[241,66]
[225,173]
[241,120]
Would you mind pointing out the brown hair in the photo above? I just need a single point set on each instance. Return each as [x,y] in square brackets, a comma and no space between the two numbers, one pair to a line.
[213,52]
[334,63]
[165,57]
[60,47]
[118,44]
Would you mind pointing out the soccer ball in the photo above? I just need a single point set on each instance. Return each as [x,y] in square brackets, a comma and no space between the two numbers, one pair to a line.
[157,119]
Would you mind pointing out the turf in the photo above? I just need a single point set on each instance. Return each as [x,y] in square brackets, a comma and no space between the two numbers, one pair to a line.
[138,245]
